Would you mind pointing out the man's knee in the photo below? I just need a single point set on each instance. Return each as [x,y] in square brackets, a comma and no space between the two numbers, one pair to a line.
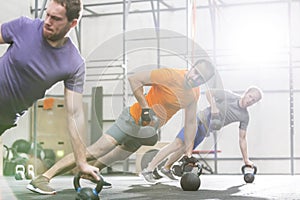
[111,140]
[103,145]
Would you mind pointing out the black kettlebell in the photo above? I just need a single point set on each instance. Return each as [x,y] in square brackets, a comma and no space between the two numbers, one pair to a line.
[177,170]
[249,173]
[190,181]
[216,122]
[187,165]
[87,193]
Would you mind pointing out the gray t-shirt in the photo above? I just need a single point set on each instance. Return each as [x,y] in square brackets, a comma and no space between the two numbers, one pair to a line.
[230,111]
[30,66]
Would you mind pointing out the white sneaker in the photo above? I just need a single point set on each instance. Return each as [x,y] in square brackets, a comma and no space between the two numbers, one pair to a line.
[167,173]
[148,176]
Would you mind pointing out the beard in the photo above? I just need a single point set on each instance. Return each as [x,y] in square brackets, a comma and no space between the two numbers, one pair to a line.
[50,35]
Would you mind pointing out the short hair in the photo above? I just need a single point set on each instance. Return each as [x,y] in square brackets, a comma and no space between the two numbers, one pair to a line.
[73,8]
[255,89]
[207,70]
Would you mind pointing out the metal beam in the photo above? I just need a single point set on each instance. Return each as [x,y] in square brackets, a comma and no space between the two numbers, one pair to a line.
[172,9]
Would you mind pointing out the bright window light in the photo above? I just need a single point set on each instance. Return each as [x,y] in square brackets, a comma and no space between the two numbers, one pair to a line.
[258,36]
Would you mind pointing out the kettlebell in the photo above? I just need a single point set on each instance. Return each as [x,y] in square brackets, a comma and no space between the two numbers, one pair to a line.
[177,170]
[181,168]
[20,172]
[87,193]
[30,172]
[187,165]
[249,173]
[216,122]
[149,130]
[190,181]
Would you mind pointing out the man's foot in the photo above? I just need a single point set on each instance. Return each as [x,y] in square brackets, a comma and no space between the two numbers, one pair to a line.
[40,185]
[106,185]
[167,173]
[156,175]
[148,176]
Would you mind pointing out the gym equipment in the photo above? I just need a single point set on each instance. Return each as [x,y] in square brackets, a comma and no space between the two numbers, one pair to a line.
[21,146]
[249,173]
[49,154]
[149,123]
[149,130]
[87,193]
[147,116]
[39,150]
[11,160]
[190,170]
[186,164]
[20,172]
[190,181]
[30,172]
[177,170]
[216,122]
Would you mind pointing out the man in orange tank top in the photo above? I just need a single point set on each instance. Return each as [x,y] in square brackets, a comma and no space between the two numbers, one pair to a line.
[171,90]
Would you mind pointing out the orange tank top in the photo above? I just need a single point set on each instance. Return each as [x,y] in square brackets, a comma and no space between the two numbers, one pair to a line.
[167,94]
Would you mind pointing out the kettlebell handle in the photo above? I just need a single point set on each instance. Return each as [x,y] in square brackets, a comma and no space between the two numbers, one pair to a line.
[76,183]
[254,168]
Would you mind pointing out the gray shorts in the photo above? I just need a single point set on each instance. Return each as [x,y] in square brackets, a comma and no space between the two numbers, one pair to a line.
[125,132]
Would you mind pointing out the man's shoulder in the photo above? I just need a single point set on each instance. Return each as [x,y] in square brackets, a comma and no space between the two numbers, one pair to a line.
[165,74]
[23,21]
[27,20]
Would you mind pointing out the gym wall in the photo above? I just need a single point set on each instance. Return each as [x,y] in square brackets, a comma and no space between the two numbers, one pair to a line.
[269,132]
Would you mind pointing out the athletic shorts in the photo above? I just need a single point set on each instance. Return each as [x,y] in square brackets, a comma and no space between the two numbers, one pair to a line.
[125,132]
[200,135]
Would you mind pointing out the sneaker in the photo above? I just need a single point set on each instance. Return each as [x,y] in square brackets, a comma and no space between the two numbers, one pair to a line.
[106,185]
[167,173]
[40,185]
[156,175]
[148,176]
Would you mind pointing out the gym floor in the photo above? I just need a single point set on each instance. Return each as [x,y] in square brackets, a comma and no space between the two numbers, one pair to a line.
[133,187]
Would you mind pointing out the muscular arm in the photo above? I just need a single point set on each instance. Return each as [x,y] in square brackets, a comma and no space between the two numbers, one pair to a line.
[76,128]
[190,127]
[137,82]
[244,147]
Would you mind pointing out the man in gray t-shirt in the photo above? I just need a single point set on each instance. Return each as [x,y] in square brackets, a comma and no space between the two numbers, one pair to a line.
[229,108]
[39,55]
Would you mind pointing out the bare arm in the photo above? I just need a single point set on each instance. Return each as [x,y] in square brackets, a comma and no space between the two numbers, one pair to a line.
[190,128]
[137,82]
[209,95]
[77,127]
[211,100]
[1,38]
[244,147]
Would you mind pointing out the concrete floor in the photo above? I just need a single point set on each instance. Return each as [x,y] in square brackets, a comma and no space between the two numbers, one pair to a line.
[133,187]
